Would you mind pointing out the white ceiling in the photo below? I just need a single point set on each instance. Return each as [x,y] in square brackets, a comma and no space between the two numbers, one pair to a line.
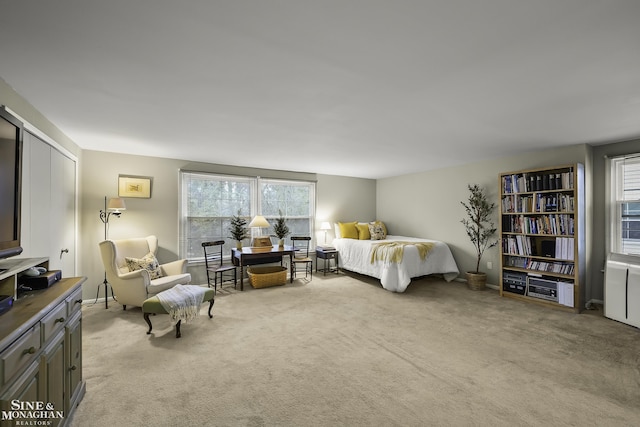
[364,88]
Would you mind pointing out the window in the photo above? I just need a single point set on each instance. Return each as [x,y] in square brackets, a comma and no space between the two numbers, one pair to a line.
[294,199]
[625,206]
[209,201]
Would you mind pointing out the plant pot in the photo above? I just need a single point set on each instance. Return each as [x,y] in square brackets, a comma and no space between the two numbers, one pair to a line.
[476,281]
[281,242]
[238,244]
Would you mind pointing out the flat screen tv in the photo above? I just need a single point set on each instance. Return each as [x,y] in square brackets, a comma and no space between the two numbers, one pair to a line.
[10,183]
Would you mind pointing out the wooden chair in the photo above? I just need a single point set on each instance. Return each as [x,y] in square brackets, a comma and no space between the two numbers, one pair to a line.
[214,264]
[301,255]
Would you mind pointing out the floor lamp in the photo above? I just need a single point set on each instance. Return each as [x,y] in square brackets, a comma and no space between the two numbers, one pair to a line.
[115,207]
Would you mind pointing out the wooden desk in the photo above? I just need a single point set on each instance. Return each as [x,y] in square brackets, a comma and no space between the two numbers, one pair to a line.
[252,256]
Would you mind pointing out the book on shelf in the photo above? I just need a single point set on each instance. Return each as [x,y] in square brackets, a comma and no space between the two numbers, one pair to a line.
[326,248]
[565,293]
[564,248]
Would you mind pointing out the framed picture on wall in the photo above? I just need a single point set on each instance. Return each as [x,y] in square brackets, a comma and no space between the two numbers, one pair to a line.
[134,186]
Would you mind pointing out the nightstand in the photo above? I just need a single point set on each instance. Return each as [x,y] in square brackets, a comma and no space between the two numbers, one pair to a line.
[327,254]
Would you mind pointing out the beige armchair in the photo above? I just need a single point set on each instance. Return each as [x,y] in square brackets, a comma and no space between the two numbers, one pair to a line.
[134,287]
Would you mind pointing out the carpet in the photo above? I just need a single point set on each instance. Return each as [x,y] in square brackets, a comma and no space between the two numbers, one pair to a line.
[341,351]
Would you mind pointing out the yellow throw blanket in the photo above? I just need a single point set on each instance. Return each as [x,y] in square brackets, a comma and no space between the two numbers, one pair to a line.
[393,251]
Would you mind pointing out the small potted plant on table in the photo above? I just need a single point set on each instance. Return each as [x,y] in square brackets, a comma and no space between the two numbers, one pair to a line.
[480,229]
[238,229]
[280,229]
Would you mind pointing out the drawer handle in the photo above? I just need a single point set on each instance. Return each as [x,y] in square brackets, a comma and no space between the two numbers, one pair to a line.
[79,301]
[73,368]
[29,350]
[60,319]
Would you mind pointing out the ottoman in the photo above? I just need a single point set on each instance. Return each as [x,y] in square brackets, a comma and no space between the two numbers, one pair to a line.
[153,306]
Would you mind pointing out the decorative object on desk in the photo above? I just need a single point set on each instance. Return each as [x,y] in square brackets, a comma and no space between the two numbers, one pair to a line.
[480,230]
[238,229]
[115,207]
[259,222]
[134,186]
[324,227]
[280,229]
[261,242]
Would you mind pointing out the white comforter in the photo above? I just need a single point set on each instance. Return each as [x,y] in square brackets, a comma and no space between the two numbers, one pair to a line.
[355,255]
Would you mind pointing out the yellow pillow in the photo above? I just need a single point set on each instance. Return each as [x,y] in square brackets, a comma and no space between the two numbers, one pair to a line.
[381,224]
[348,230]
[363,231]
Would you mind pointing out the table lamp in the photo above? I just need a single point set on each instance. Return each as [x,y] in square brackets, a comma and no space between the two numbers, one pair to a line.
[259,222]
[325,226]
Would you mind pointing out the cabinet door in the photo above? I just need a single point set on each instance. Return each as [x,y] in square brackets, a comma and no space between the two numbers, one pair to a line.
[54,363]
[28,388]
[633,296]
[74,384]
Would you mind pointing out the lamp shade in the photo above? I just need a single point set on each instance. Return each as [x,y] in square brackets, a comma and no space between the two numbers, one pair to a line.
[259,221]
[325,226]
[116,204]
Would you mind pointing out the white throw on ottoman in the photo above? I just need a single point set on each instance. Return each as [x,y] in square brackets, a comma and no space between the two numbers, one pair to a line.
[182,302]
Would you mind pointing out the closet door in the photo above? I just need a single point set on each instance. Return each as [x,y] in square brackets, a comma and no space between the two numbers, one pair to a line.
[49,205]
[63,214]
[39,192]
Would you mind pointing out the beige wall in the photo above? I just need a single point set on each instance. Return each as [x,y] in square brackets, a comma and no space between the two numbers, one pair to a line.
[336,197]
[428,205]
[600,205]
[29,114]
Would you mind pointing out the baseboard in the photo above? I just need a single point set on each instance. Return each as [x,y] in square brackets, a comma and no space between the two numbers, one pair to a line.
[488,285]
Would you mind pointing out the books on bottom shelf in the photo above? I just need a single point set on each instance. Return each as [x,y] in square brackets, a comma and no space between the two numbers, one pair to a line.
[545,288]
[565,293]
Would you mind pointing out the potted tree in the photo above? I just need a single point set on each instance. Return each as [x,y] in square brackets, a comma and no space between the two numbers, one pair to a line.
[480,229]
[280,229]
[238,229]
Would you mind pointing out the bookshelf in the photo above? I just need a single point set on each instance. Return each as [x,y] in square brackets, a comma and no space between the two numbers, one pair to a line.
[542,233]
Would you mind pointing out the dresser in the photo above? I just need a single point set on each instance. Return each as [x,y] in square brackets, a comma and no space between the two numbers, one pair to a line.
[41,356]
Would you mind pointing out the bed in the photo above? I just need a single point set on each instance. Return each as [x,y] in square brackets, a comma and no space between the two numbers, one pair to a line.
[355,255]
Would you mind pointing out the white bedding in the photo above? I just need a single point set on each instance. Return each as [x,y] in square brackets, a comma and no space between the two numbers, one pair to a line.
[355,255]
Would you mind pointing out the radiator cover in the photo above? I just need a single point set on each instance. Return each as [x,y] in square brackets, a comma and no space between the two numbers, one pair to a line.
[622,289]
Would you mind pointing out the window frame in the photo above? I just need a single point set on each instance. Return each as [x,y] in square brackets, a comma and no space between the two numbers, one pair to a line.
[255,207]
[617,198]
